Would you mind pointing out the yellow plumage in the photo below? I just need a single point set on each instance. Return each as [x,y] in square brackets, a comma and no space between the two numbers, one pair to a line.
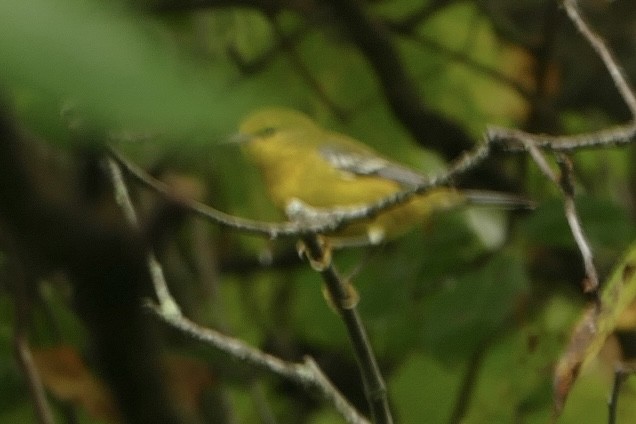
[300,161]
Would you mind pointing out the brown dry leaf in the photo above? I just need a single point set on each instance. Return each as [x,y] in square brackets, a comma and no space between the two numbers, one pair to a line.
[595,326]
[189,378]
[66,377]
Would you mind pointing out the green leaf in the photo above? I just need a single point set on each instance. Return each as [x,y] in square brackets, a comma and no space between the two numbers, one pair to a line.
[424,390]
[605,223]
[471,309]
[109,65]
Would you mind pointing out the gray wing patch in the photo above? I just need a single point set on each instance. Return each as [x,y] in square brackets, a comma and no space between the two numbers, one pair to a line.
[360,163]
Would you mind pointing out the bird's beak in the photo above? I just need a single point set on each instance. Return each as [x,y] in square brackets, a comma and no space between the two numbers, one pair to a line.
[238,138]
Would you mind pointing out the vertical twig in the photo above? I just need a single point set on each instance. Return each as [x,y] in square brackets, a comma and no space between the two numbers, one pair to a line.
[467,387]
[620,375]
[566,183]
[22,349]
[156,272]
[341,294]
[34,383]
[591,283]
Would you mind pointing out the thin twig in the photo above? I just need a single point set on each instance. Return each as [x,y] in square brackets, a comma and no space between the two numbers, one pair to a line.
[590,284]
[400,89]
[621,373]
[304,71]
[265,413]
[606,138]
[156,272]
[469,62]
[23,351]
[305,374]
[272,230]
[344,301]
[513,140]
[373,381]
[622,85]
[467,387]
[34,383]
[541,161]
[565,182]
[409,23]
[329,221]
[168,310]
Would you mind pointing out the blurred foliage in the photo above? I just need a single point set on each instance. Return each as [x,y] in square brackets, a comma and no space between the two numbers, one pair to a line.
[468,315]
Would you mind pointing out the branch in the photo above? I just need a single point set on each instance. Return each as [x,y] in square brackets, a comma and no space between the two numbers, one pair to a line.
[326,220]
[566,185]
[189,5]
[516,140]
[374,385]
[469,62]
[307,374]
[373,382]
[400,90]
[305,72]
[513,140]
[468,383]
[154,268]
[21,344]
[590,284]
[409,23]
[344,299]
[101,257]
[621,373]
[623,87]
[34,383]
[271,230]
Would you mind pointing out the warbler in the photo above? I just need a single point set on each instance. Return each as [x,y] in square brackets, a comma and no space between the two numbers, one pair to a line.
[307,165]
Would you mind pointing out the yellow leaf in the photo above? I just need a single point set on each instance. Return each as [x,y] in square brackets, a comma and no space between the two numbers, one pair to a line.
[595,326]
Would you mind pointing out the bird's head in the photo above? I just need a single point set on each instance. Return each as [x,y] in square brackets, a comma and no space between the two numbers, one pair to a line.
[270,122]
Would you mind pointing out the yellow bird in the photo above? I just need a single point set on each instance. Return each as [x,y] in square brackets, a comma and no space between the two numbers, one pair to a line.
[325,170]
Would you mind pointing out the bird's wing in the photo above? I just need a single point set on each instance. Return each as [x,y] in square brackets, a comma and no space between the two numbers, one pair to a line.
[363,162]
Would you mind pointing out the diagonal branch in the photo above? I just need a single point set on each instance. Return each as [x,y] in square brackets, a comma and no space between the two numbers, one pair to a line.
[590,284]
[154,268]
[101,257]
[622,85]
[307,374]
[21,346]
[304,71]
[329,221]
[566,184]
[400,89]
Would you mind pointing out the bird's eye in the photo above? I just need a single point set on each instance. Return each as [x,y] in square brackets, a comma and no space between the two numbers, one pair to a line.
[267,132]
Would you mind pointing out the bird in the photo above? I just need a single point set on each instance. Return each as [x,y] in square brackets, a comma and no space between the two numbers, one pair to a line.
[318,170]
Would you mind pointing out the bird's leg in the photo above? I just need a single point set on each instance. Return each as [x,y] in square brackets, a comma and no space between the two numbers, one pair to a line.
[319,259]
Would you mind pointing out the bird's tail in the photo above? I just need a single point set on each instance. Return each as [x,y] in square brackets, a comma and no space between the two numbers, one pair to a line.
[498,199]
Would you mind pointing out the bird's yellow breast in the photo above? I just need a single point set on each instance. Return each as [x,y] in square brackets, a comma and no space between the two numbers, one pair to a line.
[287,149]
